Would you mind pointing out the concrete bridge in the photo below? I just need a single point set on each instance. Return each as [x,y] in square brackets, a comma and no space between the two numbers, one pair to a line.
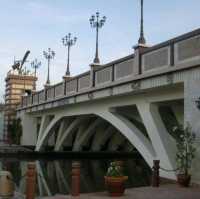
[133,102]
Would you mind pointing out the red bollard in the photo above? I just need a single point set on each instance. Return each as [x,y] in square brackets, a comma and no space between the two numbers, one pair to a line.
[31,181]
[155,174]
[75,179]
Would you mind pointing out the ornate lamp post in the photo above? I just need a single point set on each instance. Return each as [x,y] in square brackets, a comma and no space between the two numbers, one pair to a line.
[142,39]
[68,42]
[50,54]
[35,65]
[96,23]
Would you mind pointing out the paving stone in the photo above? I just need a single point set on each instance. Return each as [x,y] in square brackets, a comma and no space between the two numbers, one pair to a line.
[164,192]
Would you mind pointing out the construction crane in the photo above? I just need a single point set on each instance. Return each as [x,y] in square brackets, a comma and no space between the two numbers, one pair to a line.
[19,64]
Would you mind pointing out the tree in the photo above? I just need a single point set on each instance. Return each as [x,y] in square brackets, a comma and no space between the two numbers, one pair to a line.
[15,131]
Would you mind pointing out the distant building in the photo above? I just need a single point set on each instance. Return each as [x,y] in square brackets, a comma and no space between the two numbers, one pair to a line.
[17,84]
[2,107]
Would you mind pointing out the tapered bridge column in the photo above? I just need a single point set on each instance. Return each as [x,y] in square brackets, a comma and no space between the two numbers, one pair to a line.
[163,143]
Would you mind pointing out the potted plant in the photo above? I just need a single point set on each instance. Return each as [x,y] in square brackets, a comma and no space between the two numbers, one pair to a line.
[185,153]
[115,180]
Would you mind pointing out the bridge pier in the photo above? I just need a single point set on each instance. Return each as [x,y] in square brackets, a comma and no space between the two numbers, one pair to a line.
[192,115]
[29,127]
[163,143]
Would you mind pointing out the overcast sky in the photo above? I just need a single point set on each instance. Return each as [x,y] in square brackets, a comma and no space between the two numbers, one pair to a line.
[36,25]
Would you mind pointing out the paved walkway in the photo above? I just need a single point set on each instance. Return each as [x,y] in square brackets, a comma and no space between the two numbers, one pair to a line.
[164,192]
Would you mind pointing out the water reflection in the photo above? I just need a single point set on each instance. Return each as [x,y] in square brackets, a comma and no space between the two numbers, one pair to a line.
[55,176]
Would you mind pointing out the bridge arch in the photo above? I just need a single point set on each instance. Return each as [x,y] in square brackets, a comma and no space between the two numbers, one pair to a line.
[151,147]
[47,132]
[70,129]
[137,139]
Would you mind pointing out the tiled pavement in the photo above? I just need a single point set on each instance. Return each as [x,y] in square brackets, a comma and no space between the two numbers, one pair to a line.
[164,192]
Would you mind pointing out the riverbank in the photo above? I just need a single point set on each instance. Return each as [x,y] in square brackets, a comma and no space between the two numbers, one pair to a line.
[170,191]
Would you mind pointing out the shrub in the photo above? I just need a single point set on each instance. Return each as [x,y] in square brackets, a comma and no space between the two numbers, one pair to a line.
[114,170]
[185,148]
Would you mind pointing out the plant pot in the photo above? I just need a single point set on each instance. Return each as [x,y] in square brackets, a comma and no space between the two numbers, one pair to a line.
[183,180]
[115,185]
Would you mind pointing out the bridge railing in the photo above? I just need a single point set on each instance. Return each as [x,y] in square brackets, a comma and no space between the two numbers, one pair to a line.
[183,51]
[84,81]
[103,76]
[124,69]
[41,96]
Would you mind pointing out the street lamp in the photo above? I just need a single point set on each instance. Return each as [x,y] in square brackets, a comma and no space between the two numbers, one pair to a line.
[96,23]
[142,39]
[35,65]
[50,54]
[68,42]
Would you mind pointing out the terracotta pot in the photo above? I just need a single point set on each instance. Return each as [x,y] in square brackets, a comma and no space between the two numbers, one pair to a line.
[115,185]
[183,180]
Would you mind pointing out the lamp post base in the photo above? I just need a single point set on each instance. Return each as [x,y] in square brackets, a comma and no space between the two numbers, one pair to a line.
[96,60]
[66,77]
[47,85]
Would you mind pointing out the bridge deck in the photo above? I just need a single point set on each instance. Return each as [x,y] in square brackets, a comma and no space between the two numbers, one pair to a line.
[163,192]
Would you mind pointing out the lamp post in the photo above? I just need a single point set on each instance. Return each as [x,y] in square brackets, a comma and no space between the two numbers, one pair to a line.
[35,65]
[68,42]
[142,39]
[50,54]
[97,23]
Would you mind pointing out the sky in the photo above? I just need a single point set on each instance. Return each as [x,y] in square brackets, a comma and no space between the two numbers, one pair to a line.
[36,25]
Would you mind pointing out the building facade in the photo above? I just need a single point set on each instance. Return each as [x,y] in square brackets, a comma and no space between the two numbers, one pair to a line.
[17,84]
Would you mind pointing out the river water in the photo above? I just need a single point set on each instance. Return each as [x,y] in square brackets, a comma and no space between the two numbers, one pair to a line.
[54,176]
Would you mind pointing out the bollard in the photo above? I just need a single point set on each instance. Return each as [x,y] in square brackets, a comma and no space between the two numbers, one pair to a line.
[155,174]
[6,185]
[31,181]
[75,179]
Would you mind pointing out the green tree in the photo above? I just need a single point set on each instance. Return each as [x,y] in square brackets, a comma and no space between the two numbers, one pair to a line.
[15,131]
[185,148]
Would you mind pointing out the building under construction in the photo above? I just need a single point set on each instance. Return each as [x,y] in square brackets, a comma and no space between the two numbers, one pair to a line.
[18,83]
